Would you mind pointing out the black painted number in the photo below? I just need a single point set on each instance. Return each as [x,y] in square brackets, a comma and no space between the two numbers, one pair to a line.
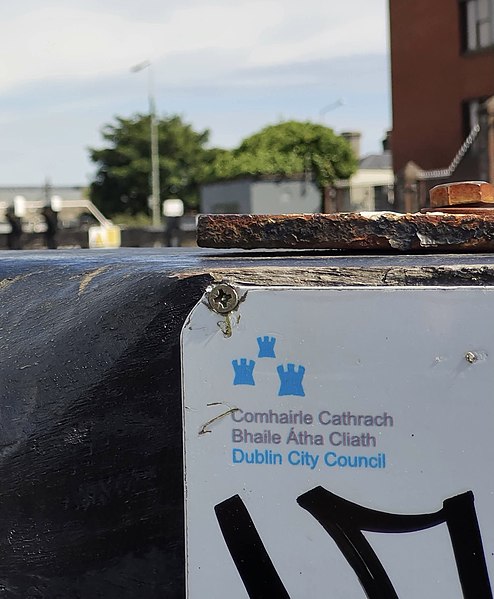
[345,522]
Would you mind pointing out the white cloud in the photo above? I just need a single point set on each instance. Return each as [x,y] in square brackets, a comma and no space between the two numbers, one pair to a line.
[360,36]
[228,65]
[60,42]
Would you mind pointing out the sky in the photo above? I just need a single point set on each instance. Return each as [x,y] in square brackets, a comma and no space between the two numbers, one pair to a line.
[229,66]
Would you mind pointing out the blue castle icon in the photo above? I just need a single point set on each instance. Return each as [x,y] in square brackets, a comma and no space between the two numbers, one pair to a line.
[291,380]
[266,347]
[243,372]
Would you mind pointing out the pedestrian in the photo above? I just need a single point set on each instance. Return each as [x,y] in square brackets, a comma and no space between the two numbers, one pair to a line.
[173,231]
[15,235]
[51,220]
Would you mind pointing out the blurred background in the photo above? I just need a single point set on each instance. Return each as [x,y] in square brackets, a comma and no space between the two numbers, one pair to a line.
[120,122]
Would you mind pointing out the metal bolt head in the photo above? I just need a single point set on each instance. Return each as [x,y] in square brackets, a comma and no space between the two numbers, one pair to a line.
[458,194]
[471,357]
[223,298]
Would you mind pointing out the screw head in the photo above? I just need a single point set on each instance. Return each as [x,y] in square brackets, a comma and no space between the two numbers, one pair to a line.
[223,298]
[471,357]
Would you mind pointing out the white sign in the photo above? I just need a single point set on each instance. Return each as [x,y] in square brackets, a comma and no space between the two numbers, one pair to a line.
[173,208]
[20,206]
[340,439]
[56,203]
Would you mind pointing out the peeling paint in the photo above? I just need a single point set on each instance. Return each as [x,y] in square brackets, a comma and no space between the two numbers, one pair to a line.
[6,283]
[426,241]
[88,277]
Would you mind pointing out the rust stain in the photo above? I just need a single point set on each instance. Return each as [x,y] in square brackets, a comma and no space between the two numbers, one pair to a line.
[349,231]
[89,276]
[226,326]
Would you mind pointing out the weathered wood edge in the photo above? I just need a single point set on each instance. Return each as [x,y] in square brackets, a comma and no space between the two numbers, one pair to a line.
[478,275]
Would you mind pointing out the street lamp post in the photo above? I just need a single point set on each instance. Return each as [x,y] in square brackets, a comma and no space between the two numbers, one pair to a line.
[329,108]
[155,172]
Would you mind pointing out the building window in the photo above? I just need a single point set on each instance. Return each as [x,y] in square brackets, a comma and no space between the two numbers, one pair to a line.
[477,24]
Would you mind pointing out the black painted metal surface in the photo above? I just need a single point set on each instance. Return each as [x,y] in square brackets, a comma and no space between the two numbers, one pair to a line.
[91,485]
[91,474]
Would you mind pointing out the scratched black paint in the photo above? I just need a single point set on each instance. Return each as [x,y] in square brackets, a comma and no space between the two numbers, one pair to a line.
[91,480]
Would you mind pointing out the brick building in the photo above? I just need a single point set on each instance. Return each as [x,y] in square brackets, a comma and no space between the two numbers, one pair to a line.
[442,63]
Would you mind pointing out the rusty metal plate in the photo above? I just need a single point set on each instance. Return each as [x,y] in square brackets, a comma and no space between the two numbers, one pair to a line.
[349,231]
[470,209]
[457,194]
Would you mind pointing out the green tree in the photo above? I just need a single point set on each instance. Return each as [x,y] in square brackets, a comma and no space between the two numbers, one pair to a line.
[288,148]
[122,183]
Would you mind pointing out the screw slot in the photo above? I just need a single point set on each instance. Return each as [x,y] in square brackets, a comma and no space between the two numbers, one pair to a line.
[223,298]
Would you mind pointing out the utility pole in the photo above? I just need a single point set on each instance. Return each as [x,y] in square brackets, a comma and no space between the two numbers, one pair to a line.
[47,191]
[329,108]
[153,125]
